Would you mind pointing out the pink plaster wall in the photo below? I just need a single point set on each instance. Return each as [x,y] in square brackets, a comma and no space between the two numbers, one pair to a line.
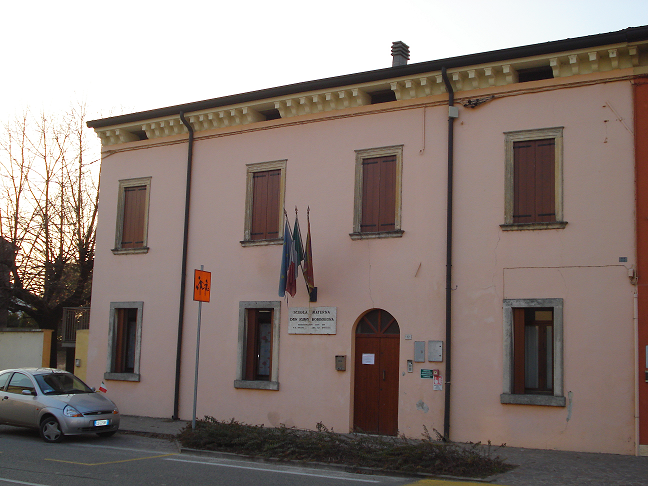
[579,264]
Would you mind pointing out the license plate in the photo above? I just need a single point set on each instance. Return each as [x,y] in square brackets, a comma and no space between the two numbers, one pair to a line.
[99,423]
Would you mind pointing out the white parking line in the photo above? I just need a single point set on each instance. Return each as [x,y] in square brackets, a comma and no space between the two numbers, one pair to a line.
[276,471]
[20,482]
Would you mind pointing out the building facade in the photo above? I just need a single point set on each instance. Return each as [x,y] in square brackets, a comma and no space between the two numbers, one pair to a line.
[526,154]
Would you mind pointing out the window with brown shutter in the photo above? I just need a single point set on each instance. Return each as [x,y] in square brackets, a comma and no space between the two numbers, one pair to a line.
[378,193]
[125,338]
[132,216]
[258,345]
[533,180]
[264,203]
[124,341]
[533,352]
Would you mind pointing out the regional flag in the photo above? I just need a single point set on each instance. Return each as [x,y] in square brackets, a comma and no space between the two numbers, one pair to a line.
[103,388]
[291,274]
[285,259]
[308,259]
[297,241]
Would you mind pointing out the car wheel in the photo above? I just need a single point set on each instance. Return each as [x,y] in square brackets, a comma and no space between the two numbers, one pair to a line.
[50,430]
[106,434]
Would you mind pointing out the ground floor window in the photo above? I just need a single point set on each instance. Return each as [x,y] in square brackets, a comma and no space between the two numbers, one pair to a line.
[124,341]
[533,358]
[258,345]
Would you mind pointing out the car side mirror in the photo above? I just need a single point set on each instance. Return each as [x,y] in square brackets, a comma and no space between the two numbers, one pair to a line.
[29,392]
[93,389]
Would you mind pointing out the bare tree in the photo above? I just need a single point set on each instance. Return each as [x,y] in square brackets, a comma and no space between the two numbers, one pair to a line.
[48,203]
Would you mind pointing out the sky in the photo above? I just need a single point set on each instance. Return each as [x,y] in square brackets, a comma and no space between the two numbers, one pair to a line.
[128,56]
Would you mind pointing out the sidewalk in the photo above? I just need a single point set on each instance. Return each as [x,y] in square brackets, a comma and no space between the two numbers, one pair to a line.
[150,425]
[556,468]
[536,467]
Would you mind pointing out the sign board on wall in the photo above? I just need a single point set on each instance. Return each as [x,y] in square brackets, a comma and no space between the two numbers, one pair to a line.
[313,320]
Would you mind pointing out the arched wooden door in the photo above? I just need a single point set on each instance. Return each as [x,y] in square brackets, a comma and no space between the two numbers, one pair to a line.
[375,396]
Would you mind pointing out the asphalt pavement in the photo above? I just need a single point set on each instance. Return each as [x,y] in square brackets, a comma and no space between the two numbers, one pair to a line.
[536,467]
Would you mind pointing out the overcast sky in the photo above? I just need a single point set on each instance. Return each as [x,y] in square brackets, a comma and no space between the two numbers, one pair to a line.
[125,56]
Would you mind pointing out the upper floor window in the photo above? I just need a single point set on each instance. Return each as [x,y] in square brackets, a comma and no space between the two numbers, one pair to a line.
[132,216]
[264,203]
[378,178]
[534,163]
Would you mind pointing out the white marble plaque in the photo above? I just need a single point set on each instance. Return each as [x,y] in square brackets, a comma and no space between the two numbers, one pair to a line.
[314,320]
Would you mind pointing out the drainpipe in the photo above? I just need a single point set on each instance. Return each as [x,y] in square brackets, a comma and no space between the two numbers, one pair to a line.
[452,114]
[183,280]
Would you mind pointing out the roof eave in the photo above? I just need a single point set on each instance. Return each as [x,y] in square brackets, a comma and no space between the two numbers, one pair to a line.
[631,34]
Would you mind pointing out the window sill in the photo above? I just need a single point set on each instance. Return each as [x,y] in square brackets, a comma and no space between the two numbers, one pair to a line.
[257,385]
[533,226]
[122,376]
[545,400]
[126,251]
[370,236]
[278,241]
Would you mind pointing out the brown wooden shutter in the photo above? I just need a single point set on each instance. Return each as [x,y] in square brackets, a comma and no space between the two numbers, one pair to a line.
[534,175]
[120,341]
[250,345]
[370,195]
[272,213]
[378,194]
[388,194]
[134,217]
[266,186]
[518,351]
[545,180]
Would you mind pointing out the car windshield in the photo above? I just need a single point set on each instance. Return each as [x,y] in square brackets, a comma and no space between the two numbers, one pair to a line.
[61,384]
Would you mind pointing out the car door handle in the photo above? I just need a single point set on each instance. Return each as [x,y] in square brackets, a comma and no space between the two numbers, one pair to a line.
[384,375]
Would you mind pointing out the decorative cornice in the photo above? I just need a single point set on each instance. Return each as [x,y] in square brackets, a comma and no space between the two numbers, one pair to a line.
[563,65]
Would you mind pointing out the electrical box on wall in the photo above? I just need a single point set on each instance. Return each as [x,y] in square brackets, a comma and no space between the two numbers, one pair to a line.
[419,351]
[410,366]
[435,350]
[340,363]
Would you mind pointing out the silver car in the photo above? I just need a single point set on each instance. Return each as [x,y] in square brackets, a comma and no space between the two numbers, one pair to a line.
[56,403]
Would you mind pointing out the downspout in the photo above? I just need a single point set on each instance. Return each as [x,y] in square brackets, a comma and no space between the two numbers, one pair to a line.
[452,114]
[183,276]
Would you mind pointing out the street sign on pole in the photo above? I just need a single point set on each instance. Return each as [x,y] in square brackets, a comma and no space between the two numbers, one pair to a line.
[202,285]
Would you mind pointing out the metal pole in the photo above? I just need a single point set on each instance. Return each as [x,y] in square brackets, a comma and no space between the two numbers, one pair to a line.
[193,419]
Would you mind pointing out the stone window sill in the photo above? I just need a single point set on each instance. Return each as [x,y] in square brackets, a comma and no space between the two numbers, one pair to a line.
[122,376]
[256,385]
[127,251]
[533,226]
[545,400]
[277,241]
[370,236]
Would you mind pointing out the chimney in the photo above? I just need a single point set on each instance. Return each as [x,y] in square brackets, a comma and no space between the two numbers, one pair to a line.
[400,53]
